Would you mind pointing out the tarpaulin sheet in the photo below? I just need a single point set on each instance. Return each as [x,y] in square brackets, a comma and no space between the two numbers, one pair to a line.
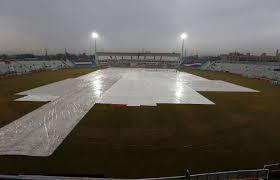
[40,132]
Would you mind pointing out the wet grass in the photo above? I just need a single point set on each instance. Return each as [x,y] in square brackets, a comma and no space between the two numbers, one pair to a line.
[240,132]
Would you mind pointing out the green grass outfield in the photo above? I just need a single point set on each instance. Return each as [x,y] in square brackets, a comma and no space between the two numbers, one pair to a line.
[242,131]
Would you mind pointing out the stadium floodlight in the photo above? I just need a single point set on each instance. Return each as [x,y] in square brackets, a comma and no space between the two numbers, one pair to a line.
[94,35]
[184,36]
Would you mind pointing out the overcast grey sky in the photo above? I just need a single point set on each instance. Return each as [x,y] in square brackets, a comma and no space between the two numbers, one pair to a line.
[214,26]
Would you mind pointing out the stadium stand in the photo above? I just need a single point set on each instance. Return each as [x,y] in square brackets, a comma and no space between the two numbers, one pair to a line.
[74,61]
[259,70]
[17,67]
[148,59]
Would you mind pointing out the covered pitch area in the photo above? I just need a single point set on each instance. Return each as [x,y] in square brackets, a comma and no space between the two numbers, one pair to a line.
[155,137]
[40,132]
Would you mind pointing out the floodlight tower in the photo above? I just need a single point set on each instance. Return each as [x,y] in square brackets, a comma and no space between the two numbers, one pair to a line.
[94,36]
[183,37]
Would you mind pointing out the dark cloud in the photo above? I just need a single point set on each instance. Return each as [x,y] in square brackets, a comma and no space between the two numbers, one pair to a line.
[131,25]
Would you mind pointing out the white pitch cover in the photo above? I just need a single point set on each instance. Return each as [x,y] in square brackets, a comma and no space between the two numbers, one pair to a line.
[38,98]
